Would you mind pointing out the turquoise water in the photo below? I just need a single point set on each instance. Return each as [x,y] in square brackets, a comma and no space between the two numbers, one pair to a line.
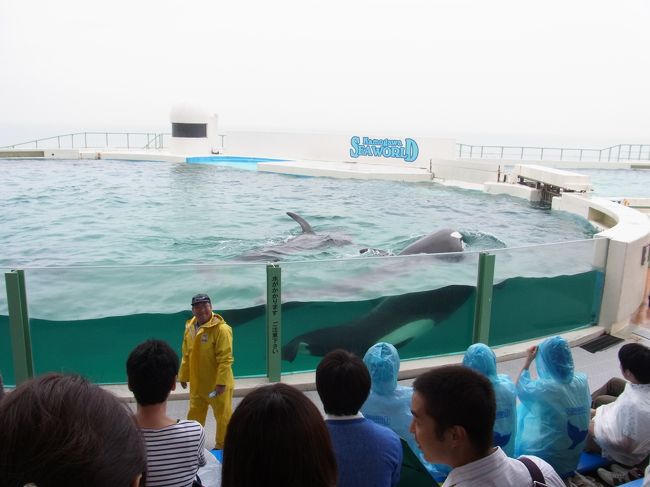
[619,182]
[124,212]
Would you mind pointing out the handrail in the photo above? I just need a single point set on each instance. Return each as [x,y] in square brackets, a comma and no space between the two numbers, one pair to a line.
[129,140]
[615,153]
[158,142]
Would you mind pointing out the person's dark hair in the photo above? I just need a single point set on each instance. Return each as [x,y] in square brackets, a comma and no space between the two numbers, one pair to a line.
[343,383]
[2,388]
[276,436]
[151,369]
[455,395]
[61,430]
[636,358]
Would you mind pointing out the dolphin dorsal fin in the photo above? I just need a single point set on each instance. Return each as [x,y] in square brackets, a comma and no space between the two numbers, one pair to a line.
[306,228]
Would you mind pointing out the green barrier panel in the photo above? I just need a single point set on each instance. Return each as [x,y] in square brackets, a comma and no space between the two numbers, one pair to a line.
[483,308]
[546,289]
[273,323]
[19,326]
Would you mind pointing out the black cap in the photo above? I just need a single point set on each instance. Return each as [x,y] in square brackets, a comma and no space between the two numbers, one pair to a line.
[200,298]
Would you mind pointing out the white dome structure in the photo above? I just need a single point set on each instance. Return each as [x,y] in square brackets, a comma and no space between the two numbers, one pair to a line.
[194,129]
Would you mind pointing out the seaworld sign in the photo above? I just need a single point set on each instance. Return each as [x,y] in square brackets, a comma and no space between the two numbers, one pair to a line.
[407,150]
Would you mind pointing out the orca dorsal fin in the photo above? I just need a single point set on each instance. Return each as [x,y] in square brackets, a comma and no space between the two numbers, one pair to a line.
[306,227]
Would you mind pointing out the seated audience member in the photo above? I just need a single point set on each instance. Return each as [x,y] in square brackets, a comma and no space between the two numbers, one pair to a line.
[453,415]
[389,403]
[174,447]
[61,430]
[277,436]
[481,358]
[367,454]
[553,417]
[621,429]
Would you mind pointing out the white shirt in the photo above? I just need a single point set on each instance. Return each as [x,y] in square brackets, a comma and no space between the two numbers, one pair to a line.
[625,420]
[499,470]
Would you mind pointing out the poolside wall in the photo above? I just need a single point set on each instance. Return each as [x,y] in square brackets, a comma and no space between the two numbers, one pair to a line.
[627,257]
[326,147]
[466,171]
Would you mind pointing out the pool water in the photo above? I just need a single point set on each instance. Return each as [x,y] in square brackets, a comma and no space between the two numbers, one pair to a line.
[55,212]
[631,183]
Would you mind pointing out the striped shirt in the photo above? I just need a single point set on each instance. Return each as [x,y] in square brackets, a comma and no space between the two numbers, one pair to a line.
[174,454]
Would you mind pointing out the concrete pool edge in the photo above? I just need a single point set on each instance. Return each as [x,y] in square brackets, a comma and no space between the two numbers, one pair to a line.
[628,233]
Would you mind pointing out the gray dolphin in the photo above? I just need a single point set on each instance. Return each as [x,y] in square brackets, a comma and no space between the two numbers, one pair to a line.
[307,240]
[396,319]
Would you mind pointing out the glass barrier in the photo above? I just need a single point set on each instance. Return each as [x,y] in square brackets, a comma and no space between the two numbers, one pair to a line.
[6,356]
[546,289]
[88,319]
[422,304]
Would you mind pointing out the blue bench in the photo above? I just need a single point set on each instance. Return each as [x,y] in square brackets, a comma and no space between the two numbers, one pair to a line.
[589,462]
[634,483]
[218,454]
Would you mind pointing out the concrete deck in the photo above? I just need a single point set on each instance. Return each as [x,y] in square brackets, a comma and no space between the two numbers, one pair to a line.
[347,170]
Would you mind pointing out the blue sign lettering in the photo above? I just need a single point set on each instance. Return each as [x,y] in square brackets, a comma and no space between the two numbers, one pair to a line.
[390,148]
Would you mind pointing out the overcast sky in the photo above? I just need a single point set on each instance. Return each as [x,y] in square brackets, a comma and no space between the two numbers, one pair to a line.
[478,70]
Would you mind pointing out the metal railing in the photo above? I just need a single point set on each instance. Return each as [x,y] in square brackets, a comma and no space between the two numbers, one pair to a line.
[616,153]
[97,140]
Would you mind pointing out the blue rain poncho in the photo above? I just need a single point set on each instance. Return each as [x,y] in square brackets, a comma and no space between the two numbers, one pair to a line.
[553,417]
[481,358]
[389,404]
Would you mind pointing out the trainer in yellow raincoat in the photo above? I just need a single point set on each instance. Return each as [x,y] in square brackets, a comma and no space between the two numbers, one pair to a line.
[207,365]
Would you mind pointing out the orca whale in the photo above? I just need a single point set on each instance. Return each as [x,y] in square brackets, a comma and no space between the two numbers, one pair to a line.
[442,241]
[396,319]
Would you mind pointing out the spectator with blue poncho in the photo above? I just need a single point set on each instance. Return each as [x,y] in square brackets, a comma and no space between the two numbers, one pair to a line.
[553,417]
[389,404]
[481,358]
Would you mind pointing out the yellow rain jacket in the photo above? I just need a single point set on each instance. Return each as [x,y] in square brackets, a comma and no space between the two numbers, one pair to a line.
[207,356]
